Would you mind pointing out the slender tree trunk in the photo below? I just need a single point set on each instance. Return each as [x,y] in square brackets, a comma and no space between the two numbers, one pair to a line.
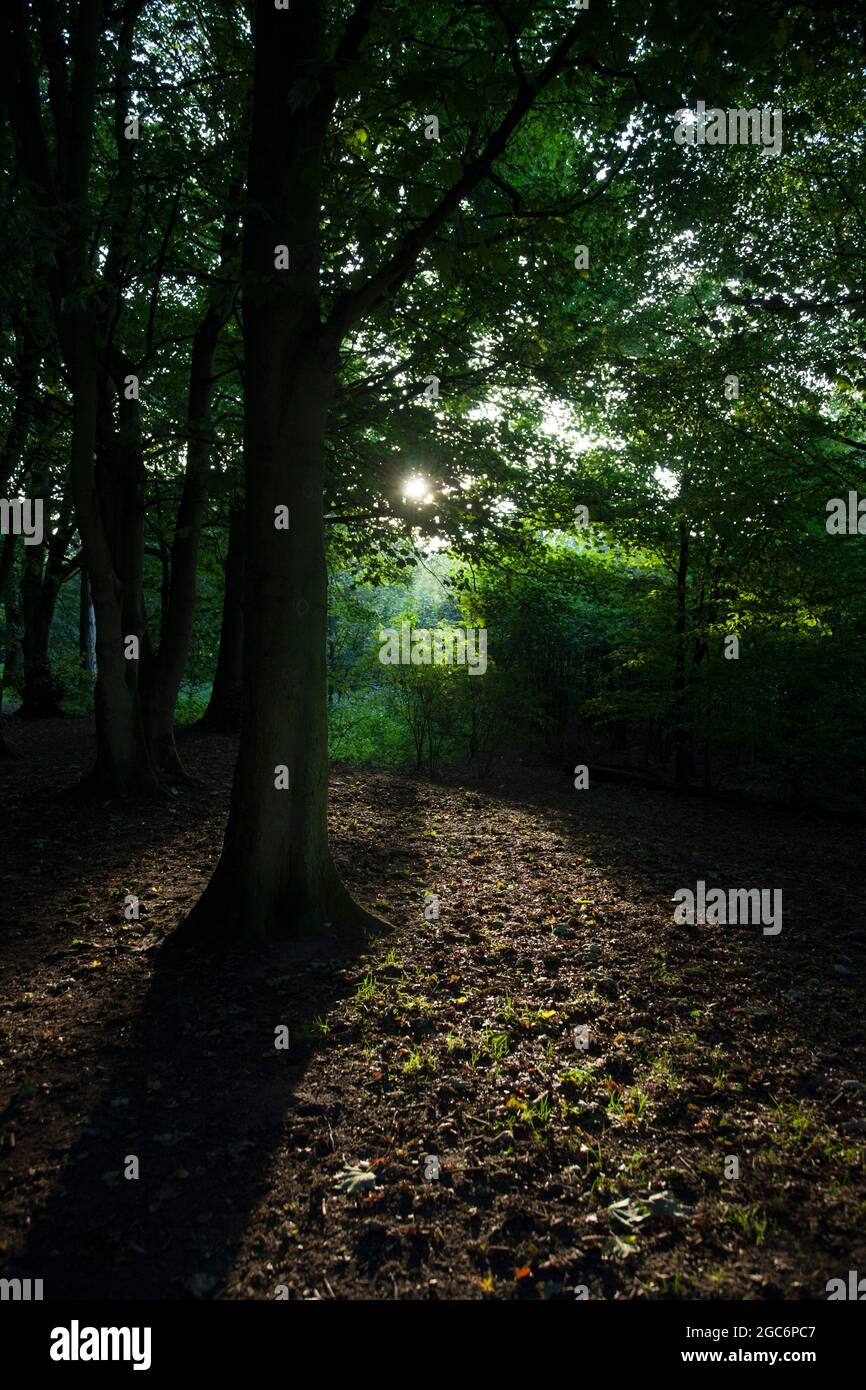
[700,663]
[5,750]
[13,448]
[39,598]
[223,713]
[109,477]
[25,403]
[122,765]
[7,563]
[682,738]
[164,676]
[13,668]
[86,626]
[13,662]
[41,579]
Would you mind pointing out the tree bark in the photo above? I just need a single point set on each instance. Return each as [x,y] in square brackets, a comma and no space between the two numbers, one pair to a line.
[42,577]
[13,663]
[223,714]
[86,626]
[41,699]
[7,563]
[682,739]
[275,875]
[29,359]
[122,764]
[165,673]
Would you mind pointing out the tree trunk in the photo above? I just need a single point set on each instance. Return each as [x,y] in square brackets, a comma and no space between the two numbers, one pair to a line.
[164,676]
[7,562]
[223,713]
[275,877]
[13,662]
[682,739]
[40,585]
[122,765]
[39,598]
[29,359]
[86,626]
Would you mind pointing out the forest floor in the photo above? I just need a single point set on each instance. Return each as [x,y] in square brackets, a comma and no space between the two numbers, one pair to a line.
[560,1168]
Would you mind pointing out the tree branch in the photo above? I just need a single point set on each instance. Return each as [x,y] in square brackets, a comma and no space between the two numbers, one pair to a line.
[354,304]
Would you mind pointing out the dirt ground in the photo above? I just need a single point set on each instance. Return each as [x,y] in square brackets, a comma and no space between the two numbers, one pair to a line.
[436,1127]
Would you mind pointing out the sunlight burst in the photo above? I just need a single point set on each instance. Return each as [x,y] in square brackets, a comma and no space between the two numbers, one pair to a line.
[416,488]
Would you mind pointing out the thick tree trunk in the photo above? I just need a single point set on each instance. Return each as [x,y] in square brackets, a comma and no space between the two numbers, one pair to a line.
[223,714]
[275,877]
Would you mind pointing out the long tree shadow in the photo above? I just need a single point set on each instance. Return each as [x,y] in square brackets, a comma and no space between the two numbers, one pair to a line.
[186,1088]
[178,1106]
[200,1104]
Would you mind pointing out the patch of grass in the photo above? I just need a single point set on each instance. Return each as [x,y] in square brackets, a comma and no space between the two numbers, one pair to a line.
[490,1045]
[421,1060]
[414,1003]
[192,701]
[793,1120]
[627,1103]
[601,1182]
[536,1115]
[521,1016]
[366,992]
[361,730]
[510,1015]
[636,1160]
[318,1028]
[752,1222]
[719,1075]
[663,1072]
